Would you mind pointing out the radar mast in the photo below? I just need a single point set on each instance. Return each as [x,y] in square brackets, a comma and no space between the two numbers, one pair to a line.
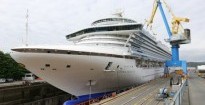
[119,13]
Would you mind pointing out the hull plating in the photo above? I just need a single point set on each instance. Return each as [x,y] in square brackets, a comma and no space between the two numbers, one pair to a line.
[75,73]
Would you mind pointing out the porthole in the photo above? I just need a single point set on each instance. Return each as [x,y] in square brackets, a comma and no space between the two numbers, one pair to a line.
[47,65]
[68,66]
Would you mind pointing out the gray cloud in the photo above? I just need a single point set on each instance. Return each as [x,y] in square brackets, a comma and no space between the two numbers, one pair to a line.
[51,20]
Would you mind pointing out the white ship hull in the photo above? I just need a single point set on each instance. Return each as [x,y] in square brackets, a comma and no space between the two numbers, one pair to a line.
[83,68]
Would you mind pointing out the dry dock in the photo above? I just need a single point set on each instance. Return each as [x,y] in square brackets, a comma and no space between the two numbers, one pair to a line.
[44,94]
[37,93]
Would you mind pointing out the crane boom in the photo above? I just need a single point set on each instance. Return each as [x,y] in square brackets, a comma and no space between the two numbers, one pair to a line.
[177,28]
[154,10]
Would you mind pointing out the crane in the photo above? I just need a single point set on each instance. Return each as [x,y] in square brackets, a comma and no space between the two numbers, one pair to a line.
[177,35]
[176,21]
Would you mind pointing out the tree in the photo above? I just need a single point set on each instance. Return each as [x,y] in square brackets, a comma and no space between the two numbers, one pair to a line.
[9,68]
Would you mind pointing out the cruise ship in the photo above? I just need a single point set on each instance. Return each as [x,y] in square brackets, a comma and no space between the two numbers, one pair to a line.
[111,54]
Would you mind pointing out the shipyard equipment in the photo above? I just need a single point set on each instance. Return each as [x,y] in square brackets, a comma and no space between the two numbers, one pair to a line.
[201,71]
[177,35]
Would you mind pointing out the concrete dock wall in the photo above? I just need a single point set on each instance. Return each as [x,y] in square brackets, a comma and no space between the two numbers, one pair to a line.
[32,94]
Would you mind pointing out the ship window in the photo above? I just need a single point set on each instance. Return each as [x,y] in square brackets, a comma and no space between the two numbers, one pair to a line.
[54,69]
[28,75]
[138,62]
[117,66]
[47,65]
[68,66]
[108,66]
[42,68]
[96,29]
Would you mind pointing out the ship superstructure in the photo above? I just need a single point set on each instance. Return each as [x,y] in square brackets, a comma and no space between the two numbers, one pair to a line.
[113,53]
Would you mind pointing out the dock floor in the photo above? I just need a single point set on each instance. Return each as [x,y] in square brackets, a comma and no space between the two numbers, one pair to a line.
[194,93]
[141,95]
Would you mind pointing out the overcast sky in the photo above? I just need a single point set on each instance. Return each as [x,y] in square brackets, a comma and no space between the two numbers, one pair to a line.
[51,20]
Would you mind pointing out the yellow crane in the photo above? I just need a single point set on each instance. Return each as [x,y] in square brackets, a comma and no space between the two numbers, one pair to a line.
[176,21]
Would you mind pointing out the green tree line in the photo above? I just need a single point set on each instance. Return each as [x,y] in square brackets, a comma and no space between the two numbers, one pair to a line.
[9,68]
